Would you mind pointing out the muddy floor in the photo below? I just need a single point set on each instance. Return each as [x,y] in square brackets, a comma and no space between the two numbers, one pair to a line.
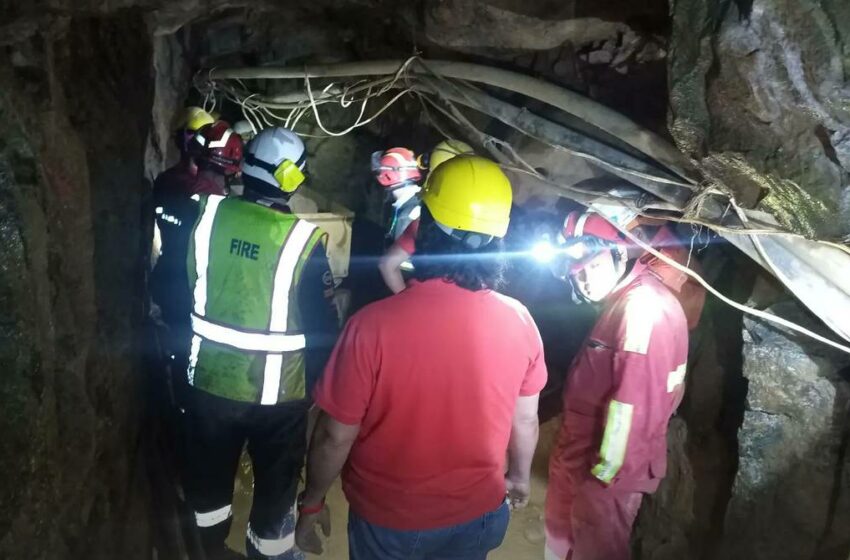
[524,539]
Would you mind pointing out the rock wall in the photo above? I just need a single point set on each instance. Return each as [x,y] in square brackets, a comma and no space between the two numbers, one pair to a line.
[758,453]
[74,103]
[759,96]
[790,497]
[685,518]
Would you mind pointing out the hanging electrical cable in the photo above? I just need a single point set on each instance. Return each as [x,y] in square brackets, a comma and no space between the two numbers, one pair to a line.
[413,85]
[740,307]
[444,97]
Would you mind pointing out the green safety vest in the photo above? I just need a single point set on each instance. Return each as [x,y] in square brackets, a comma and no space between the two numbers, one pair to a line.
[244,264]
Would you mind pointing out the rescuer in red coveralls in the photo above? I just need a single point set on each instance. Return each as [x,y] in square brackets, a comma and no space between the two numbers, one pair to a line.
[622,388]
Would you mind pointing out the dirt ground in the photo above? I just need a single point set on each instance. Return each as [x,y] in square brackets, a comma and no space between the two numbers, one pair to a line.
[524,539]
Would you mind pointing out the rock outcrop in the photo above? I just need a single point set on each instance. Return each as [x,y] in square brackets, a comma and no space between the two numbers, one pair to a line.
[759,96]
[790,496]
[74,103]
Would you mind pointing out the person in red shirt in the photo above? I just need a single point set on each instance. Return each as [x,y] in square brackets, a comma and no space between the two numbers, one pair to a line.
[427,389]
[189,121]
[178,179]
[622,388]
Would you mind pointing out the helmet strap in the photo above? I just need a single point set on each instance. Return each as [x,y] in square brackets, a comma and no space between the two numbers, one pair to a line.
[471,239]
[577,296]
[182,139]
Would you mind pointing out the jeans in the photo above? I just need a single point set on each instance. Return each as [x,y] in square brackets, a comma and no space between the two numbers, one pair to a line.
[467,541]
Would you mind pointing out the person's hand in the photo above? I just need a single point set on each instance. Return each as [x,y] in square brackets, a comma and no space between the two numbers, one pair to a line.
[306,538]
[519,492]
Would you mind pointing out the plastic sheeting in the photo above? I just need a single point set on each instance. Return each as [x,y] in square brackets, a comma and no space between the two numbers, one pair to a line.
[817,274]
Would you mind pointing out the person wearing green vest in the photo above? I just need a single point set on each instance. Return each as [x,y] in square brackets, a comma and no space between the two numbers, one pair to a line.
[263,323]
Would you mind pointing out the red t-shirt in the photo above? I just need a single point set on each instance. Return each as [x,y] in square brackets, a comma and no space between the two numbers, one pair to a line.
[432,375]
[407,240]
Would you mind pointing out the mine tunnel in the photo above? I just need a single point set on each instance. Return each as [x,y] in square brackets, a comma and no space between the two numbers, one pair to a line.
[723,123]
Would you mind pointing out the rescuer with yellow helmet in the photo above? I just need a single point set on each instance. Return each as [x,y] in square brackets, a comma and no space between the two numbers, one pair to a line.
[450,372]
[172,209]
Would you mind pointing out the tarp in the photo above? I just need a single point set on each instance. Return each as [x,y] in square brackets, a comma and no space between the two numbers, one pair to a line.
[817,274]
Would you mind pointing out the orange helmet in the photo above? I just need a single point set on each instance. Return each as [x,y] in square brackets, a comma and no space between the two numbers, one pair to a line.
[396,168]
[217,146]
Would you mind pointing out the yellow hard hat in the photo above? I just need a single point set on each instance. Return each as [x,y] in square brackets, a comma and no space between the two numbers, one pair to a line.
[470,193]
[446,150]
[192,119]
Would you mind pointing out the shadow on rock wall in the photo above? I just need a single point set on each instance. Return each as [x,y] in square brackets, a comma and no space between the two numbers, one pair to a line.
[760,476]
[791,498]
[74,102]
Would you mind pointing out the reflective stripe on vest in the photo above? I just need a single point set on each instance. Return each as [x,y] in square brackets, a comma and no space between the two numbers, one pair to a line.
[284,275]
[194,351]
[289,257]
[275,340]
[203,235]
[246,340]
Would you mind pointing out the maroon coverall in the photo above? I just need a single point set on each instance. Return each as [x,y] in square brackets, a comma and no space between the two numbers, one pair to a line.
[622,388]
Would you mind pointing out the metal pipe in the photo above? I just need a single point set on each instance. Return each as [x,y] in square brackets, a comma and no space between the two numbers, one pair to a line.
[611,159]
[570,102]
[608,158]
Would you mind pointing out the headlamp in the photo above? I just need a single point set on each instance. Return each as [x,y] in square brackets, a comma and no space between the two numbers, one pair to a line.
[576,250]
[544,252]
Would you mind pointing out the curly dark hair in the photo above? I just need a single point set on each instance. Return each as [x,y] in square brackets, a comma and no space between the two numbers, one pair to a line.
[439,255]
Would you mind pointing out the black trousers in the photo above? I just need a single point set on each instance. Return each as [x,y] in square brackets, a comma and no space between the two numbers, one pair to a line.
[216,430]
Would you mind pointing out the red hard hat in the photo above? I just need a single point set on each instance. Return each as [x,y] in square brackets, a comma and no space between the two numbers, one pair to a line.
[580,224]
[219,147]
[395,168]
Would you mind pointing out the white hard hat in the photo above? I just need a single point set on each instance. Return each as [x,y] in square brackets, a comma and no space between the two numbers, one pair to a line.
[276,156]
[244,129]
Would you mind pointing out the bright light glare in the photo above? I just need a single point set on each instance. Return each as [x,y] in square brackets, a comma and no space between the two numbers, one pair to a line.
[576,251]
[543,252]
